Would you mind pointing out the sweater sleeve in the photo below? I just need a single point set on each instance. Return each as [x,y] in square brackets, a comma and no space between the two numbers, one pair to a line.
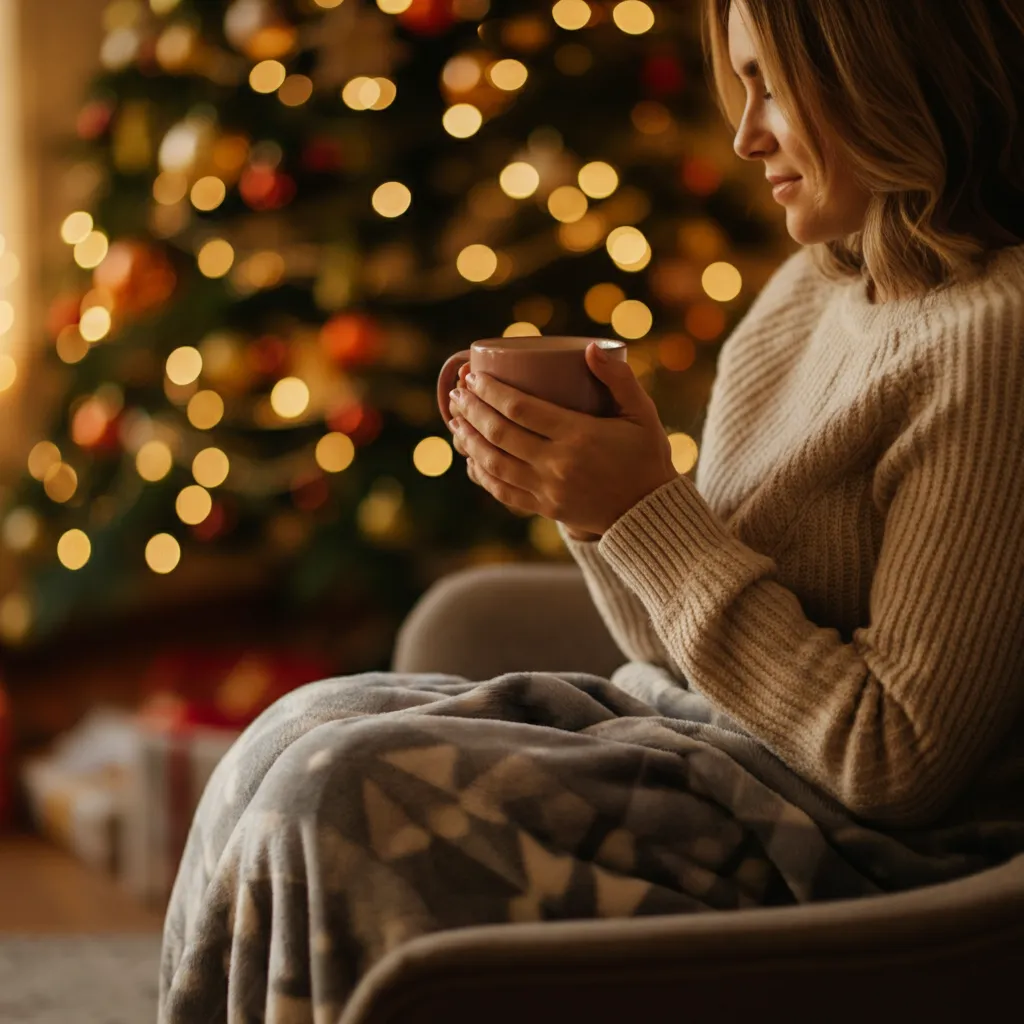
[621,610]
[894,723]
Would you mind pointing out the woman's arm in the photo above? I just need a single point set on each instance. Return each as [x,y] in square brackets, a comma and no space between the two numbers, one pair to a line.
[894,723]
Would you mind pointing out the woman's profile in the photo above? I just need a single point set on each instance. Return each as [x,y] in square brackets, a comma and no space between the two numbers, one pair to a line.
[823,696]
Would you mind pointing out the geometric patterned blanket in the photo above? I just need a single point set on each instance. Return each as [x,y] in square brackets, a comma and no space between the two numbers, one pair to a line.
[359,812]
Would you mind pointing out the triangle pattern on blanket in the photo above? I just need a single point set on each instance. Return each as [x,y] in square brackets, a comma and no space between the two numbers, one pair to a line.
[434,764]
[392,833]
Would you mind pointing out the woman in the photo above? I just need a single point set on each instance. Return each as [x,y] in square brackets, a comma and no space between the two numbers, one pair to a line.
[825,632]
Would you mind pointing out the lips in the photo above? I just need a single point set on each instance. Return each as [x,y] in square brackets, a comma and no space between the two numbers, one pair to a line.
[781,179]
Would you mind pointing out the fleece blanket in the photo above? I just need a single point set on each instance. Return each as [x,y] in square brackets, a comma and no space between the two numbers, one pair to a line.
[359,812]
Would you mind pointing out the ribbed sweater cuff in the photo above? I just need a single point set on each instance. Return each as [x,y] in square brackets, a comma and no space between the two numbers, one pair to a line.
[656,546]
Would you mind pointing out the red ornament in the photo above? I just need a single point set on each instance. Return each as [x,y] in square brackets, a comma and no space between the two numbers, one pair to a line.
[351,338]
[138,275]
[662,75]
[266,188]
[428,17]
[701,176]
[94,429]
[94,119]
[219,522]
[64,311]
[267,355]
[310,492]
[323,156]
[361,422]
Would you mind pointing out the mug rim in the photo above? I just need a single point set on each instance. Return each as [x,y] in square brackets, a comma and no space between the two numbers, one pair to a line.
[536,343]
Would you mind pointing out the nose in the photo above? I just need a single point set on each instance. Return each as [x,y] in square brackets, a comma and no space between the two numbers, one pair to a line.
[753,140]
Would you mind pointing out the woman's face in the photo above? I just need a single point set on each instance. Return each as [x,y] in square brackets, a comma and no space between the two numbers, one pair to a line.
[816,211]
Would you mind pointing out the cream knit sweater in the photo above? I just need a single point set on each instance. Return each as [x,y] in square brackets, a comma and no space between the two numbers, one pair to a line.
[845,578]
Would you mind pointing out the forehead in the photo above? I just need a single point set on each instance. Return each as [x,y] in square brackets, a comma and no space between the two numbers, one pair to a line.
[741,43]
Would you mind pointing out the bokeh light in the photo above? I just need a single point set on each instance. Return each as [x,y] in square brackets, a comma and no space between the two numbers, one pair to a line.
[519,180]
[60,482]
[626,245]
[92,250]
[633,17]
[391,199]
[211,467]
[289,397]
[432,456]
[184,365]
[598,179]
[295,90]
[154,460]
[208,193]
[8,372]
[462,120]
[163,553]
[571,15]
[601,299]
[722,282]
[76,227]
[567,204]
[632,319]
[521,329]
[684,452]
[193,504]
[215,258]
[508,75]
[42,456]
[205,410]
[267,76]
[477,263]
[335,452]
[94,323]
[73,549]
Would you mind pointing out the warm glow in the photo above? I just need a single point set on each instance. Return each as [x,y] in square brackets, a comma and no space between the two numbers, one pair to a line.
[215,258]
[8,372]
[721,281]
[43,455]
[567,204]
[508,75]
[267,76]
[598,179]
[60,482]
[184,365]
[432,456]
[290,397]
[632,319]
[394,6]
[163,553]
[6,316]
[571,14]
[519,180]
[295,90]
[462,120]
[205,410]
[633,17]
[193,504]
[391,199]
[626,245]
[170,187]
[327,4]
[684,452]
[154,461]
[601,300]
[15,616]
[335,452]
[586,234]
[210,467]
[21,529]
[521,329]
[94,323]
[208,193]
[73,549]
[387,93]
[461,73]
[91,250]
[477,263]
[76,227]
[363,93]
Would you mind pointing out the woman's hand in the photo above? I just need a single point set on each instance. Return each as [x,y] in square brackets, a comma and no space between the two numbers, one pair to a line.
[536,457]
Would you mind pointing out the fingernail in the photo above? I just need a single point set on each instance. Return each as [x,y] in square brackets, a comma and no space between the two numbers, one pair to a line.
[456,395]
[600,355]
[456,424]
[471,380]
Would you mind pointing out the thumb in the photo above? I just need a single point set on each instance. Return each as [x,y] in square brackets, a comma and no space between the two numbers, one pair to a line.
[620,380]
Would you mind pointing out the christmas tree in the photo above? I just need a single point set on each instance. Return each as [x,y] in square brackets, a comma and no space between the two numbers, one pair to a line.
[297,211]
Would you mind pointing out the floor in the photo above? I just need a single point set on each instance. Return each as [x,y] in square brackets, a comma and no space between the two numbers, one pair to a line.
[44,890]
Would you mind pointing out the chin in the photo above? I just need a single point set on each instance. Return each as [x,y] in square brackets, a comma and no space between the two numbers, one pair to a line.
[807,230]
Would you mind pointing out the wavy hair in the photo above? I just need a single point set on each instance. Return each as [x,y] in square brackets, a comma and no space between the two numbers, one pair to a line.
[924,100]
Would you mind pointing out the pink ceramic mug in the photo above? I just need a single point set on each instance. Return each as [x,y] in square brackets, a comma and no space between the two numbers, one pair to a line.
[552,368]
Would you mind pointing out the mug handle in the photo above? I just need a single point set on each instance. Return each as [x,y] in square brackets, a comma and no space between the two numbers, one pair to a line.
[447,380]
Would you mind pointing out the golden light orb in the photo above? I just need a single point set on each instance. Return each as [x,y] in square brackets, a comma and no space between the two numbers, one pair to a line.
[432,456]
[154,460]
[586,234]
[91,250]
[721,281]
[211,467]
[215,258]
[521,329]
[477,263]
[15,616]
[462,120]
[267,76]
[391,199]
[684,452]
[94,323]
[208,193]
[598,179]
[519,180]
[567,204]
[632,319]
[601,299]
[184,365]
[626,245]
[289,397]
[71,346]
[6,316]
[328,5]
[60,482]
[295,90]
[205,410]
[8,372]
[633,17]
[43,455]
[21,529]
[170,187]
[193,504]
[461,73]
[76,227]
[73,549]
[362,93]
[387,93]
[508,75]
[163,553]
[571,15]
[335,452]
[394,6]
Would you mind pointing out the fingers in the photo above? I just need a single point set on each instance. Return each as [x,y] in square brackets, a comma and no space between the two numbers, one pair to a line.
[501,432]
[496,462]
[527,412]
[507,494]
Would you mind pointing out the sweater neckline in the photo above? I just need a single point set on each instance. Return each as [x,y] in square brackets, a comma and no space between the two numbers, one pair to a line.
[872,317]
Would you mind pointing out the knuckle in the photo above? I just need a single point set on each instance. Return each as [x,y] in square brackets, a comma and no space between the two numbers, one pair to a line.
[490,463]
[514,409]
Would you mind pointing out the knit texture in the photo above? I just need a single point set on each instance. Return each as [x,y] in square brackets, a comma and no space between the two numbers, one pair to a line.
[844,577]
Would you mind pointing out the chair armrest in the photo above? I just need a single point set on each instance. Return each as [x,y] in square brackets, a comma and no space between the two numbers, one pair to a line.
[947,954]
[482,622]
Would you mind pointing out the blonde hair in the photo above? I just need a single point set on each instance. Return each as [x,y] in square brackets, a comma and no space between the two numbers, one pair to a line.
[923,100]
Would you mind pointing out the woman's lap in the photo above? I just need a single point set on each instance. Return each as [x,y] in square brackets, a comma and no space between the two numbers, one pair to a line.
[333,831]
